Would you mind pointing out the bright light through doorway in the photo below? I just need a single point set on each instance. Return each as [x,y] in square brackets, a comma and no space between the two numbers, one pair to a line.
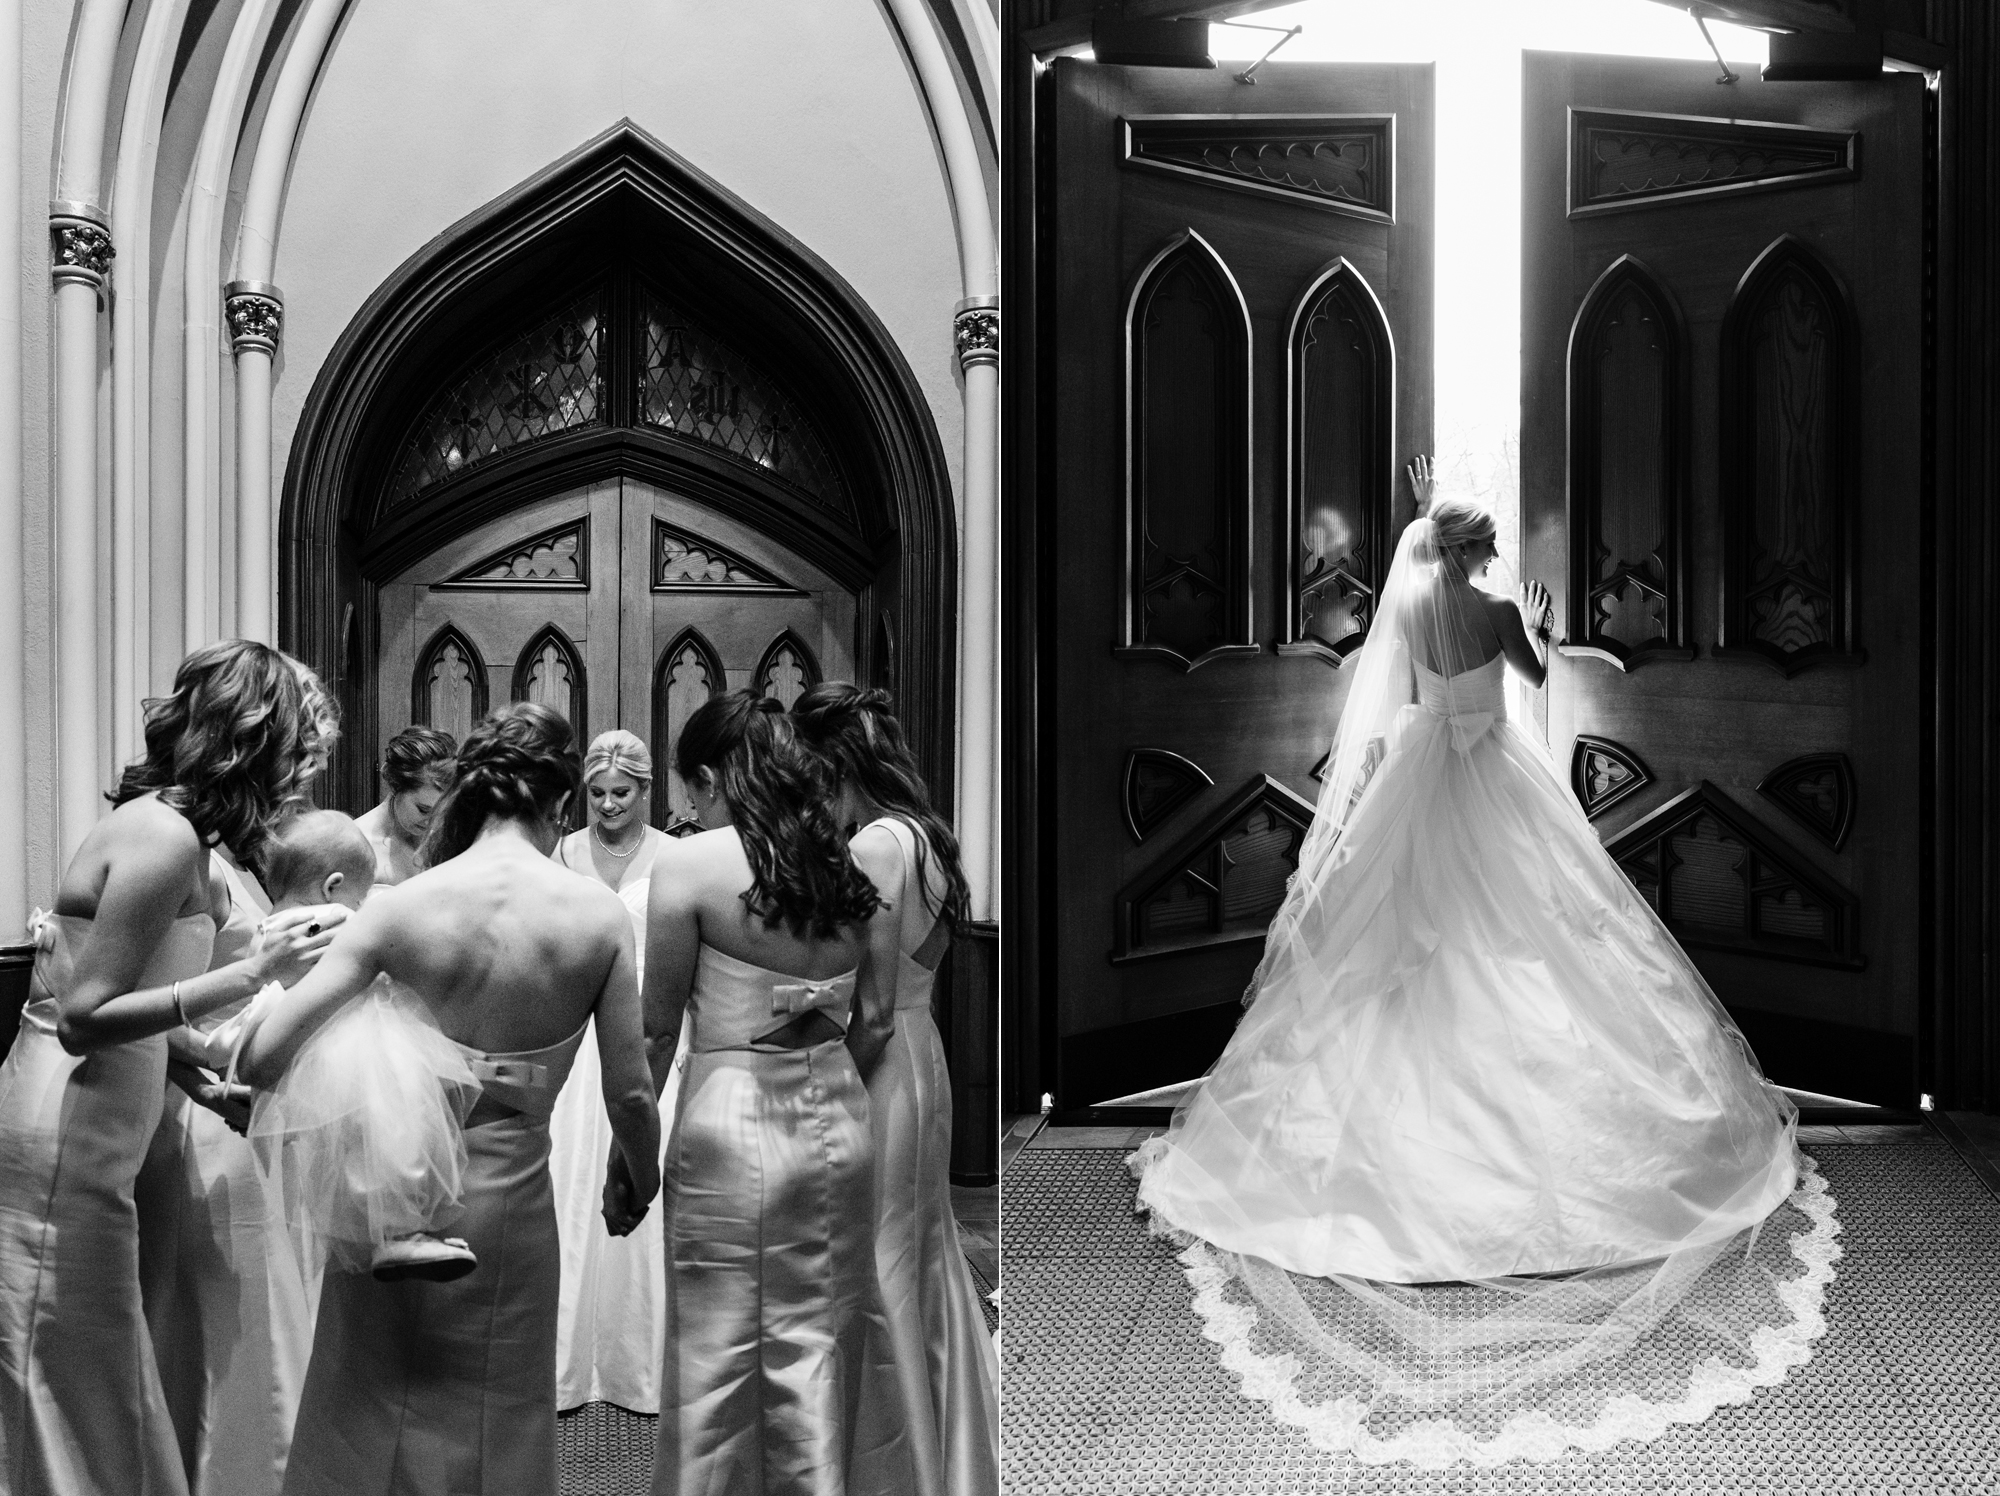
[1477,46]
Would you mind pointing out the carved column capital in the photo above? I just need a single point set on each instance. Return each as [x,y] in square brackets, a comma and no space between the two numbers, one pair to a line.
[79,244]
[256,314]
[975,329]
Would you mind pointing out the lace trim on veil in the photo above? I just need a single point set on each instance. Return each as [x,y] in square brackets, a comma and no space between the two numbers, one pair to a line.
[1434,1443]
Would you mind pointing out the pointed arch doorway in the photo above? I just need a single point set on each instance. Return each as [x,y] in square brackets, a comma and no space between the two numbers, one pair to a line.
[615,442]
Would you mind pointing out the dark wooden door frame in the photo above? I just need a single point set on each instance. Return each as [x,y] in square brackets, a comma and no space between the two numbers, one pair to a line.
[711,247]
[1959,1035]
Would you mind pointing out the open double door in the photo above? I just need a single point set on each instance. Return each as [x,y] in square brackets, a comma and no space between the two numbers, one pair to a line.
[1723,484]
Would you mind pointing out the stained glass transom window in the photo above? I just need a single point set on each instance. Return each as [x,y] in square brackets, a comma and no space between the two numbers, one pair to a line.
[550,379]
[698,386]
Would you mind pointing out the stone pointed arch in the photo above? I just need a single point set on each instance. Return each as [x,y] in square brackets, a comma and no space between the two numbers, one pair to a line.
[1628,466]
[687,673]
[787,668]
[621,213]
[448,689]
[550,670]
[1187,594]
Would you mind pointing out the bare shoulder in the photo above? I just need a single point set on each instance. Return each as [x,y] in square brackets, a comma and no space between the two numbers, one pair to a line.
[681,868]
[151,823]
[878,851]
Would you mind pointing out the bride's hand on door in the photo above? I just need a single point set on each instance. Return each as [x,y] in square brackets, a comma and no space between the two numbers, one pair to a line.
[1423,480]
[1538,609]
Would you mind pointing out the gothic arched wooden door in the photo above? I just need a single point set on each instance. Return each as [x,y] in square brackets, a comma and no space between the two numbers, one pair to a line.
[620,604]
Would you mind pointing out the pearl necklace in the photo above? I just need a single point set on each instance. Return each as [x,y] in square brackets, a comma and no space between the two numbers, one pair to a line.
[609,851]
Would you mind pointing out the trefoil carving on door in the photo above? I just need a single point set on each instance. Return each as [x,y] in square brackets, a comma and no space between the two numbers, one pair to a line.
[1602,773]
[1345,163]
[1340,442]
[1628,543]
[1817,791]
[689,671]
[1719,879]
[550,671]
[685,562]
[1621,160]
[788,669]
[1187,595]
[1222,883]
[448,688]
[1788,428]
[1156,783]
[556,560]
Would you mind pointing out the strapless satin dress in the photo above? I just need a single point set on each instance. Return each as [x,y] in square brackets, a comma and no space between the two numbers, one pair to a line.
[945,1361]
[81,1408]
[779,1378]
[230,1315]
[421,1389]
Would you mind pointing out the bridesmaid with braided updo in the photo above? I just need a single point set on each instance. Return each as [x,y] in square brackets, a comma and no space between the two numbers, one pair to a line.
[946,1367]
[778,1376]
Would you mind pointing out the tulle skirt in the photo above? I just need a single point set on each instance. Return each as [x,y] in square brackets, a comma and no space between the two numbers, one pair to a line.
[360,1138]
[1476,1055]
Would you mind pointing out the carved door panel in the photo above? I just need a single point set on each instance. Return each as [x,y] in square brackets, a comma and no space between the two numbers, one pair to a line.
[714,606]
[621,605]
[1239,367]
[523,608]
[1723,484]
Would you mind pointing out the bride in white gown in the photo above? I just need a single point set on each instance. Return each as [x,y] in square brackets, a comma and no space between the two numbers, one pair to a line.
[1474,1059]
[612,1329]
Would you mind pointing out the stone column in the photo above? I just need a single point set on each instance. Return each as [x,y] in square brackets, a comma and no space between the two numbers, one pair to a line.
[255,312]
[80,259]
[976,331]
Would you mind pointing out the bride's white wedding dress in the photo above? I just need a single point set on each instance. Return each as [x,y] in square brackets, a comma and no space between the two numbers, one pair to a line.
[1473,1052]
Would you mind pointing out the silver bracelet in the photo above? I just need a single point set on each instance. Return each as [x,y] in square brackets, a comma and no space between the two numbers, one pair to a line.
[180,1011]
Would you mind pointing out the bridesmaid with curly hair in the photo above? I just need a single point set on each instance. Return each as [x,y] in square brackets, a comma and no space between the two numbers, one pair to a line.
[945,1362]
[122,960]
[778,1374]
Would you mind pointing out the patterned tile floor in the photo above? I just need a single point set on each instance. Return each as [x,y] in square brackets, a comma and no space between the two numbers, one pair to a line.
[1109,1387]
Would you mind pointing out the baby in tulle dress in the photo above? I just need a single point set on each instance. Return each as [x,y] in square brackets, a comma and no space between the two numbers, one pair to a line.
[360,1140]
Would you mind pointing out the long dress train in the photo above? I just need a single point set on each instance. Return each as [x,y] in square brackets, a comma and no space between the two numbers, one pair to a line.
[230,1313]
[81,1409]
[418,1388]
[779,1376]
[945,1361]
[1486,1058]
[611,1331]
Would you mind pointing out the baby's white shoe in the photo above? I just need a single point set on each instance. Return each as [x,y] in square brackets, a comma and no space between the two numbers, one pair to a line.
[438,1259]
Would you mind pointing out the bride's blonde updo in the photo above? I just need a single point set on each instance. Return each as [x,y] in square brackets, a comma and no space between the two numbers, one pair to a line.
[618,750]
[1450,524]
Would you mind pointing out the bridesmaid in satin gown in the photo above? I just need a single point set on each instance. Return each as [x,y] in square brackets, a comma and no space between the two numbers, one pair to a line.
[417,765]
[230,1314]
[779,1377]
[421,1387]
[124,959]
[610,1335]
[945,1362]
